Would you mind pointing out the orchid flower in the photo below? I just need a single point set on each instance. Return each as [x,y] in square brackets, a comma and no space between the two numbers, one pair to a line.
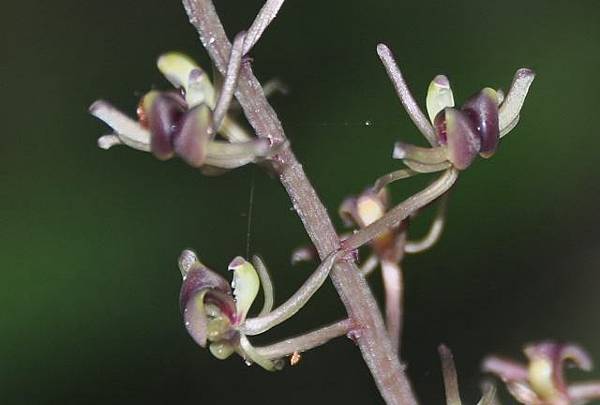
[388,248]
[216,314]
[541,381]
[456,135]
[186,121]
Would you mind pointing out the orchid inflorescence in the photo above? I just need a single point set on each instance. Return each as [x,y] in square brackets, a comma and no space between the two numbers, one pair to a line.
[193,122]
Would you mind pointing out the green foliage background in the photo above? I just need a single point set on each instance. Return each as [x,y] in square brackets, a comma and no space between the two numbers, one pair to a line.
[89,238]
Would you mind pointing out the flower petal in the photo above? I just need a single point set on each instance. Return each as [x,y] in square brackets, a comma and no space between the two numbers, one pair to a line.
[194,135]
[482,108]
[369,208]
[347,211]
[463,141]
[197,277]
[511,107]
[199,89]
[507,370]
[177,69]
[546,363]
[489,396]
[195,318]
[202,286]
[245,285]
[428,156]
[232,155]
[439,96]
[163,112]
[129,131]
[523,393]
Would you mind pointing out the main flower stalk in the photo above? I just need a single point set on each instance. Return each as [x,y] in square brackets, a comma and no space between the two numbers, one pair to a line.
[370,333]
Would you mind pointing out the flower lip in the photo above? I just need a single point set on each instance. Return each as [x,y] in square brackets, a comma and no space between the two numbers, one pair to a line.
[482,109]
[439,124]
[462,139]
[163,111]
[192,137]
[200,277]
[201,287]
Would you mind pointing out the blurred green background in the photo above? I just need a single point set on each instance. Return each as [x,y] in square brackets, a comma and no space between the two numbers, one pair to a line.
[89,238]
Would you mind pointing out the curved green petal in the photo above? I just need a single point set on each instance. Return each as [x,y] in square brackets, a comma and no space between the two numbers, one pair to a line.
[183,72]
[439,96]
[245,285]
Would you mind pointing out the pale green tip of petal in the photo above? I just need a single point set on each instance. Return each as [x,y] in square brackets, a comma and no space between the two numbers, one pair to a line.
[439,96]
[176,67]
[245,285]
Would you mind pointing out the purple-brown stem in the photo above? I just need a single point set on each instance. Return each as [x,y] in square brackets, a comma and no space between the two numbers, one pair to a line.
[371,335]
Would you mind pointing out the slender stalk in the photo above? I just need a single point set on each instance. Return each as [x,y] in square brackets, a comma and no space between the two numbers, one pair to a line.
[306,341]
[435,231]
[260,324]
[392,177]
[265,282]
[394,293]
[400,212]
[231,77]
[262,20]
[370,333]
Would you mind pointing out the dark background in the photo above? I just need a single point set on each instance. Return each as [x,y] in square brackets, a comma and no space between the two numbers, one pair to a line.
[89,238]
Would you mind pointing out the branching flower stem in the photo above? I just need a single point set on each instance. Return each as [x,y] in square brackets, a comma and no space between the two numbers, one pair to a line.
[400,212]
[369,330]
